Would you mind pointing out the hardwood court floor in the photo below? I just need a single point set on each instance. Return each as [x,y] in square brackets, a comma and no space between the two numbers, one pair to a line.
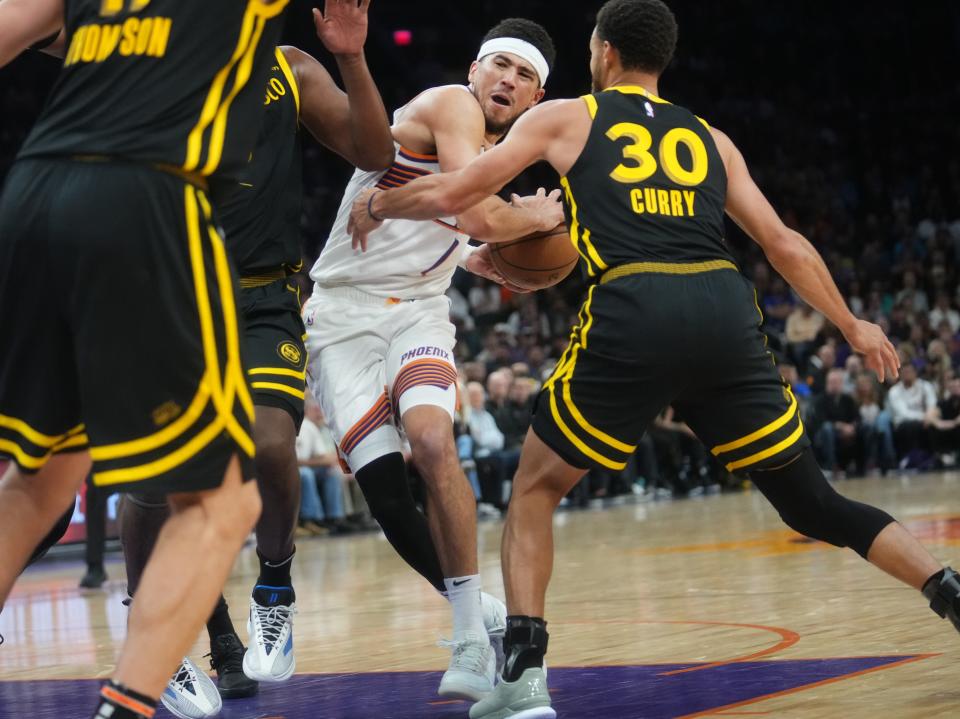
[702,607]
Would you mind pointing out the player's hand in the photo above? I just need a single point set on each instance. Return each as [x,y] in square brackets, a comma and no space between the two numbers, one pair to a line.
[361,223]
[479,263]
[342,26]
[878,353]
[548,208]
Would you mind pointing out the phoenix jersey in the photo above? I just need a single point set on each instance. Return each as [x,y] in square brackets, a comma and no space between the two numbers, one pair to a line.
[260,214]
[649,186]
[172,82]
[405,259]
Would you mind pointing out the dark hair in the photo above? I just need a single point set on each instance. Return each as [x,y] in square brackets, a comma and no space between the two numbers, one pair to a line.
[528,30]
[644,32]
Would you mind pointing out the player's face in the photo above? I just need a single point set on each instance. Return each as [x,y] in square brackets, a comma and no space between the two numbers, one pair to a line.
[506,86]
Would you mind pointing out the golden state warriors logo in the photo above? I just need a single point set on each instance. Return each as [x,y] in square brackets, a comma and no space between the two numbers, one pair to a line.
[290,352]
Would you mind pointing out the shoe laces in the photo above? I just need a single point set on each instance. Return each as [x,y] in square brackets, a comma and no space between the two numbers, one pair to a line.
[226,655]
[185,675]
[468,654]
[272,620]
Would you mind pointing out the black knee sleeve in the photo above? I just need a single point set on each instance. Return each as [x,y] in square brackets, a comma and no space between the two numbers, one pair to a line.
[384,486]
[54,536]
[809,505]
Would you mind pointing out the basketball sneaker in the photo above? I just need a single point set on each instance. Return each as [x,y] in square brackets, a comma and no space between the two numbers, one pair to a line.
[472,671]
[269,656]
[526,698]
[191,694]
[226,659]
[495,620]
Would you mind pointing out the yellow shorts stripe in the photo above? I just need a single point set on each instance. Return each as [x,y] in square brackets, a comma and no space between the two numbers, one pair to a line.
[299,394]
[762,432]
[166,435]
[23,459]
[770,451]
[166,463]
[577,442]
[283,371]
[33,436]
[77,440]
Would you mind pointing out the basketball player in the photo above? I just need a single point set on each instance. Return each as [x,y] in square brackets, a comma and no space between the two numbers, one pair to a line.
[108,192]
[668,319]
[260,217]
[380,339]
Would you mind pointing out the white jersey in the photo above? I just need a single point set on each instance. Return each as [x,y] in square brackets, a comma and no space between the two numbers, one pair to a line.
[405,259]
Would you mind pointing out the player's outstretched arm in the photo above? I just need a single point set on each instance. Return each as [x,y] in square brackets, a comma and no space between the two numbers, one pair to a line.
[792,255]
[352,124]
[24,22]
[462,191]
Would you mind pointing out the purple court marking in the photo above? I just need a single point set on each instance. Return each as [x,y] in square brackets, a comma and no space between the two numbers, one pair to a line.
[632,692]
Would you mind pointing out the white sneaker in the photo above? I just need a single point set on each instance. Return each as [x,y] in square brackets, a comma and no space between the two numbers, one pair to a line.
[495,620]
[191,694]
[472,671]
[269,655]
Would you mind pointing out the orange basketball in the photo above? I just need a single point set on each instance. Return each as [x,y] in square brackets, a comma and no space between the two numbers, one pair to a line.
[538,260]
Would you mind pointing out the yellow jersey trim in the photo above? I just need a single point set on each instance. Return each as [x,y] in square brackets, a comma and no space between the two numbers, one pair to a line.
[666,268]
[637,90]
[591,105]
[291,80]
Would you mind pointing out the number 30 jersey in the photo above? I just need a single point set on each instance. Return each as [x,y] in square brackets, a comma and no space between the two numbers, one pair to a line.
[649,186]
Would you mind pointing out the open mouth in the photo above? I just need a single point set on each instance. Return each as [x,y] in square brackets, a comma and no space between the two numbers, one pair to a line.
[500,99]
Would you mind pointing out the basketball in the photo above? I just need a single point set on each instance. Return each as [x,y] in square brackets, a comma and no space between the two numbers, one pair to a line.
[538,260]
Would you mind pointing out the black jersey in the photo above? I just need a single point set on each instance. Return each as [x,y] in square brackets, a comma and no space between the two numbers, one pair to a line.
[260,215]
[649,186]
[173,82]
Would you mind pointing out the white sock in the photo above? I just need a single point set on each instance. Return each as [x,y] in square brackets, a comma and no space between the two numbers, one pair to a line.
[464,596]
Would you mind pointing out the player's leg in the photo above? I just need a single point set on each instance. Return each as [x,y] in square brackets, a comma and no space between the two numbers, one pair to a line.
[30,505]
[190,692]
[189,564]
[276,367]
[183,427]
[590,413]
[750,420]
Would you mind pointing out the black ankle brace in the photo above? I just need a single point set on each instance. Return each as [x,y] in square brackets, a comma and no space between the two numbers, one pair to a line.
[524,644]
[943,591]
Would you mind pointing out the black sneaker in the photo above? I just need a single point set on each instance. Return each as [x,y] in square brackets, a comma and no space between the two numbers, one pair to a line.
[94,578]
[226,659]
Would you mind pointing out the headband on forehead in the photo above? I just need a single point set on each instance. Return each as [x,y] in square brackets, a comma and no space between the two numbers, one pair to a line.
[520,48]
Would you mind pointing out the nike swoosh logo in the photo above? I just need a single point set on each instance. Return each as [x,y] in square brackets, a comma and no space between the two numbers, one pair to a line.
[462,581]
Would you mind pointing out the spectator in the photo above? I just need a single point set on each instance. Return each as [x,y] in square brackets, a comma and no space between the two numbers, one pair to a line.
[943,312]
[944,421]
[802,327]
[822,362]
[913,298]
[321,503]
[875,426]
[777,305]
[853,368]
[910,402]
[498,387]
[838,418]
[488,448]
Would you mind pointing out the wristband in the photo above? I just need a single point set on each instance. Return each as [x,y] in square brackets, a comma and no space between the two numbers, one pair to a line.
[370,208]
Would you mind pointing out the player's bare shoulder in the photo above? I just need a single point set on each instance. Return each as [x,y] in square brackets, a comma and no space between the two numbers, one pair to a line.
[435,110]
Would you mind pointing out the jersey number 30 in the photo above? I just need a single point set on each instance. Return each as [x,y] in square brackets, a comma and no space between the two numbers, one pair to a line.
[643,163]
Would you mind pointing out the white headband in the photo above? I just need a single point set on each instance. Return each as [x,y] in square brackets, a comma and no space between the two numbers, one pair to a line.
[522,49]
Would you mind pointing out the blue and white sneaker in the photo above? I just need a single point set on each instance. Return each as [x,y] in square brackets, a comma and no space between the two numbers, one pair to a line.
[191,694]
[495,621]
[269,656]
